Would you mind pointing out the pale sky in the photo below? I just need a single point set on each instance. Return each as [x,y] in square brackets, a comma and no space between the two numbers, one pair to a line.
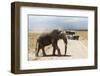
[40,23]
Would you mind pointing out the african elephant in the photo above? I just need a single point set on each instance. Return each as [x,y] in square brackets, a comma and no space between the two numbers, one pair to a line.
[51,38]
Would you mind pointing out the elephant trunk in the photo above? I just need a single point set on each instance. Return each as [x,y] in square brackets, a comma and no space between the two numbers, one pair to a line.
[65,49]
[66,42]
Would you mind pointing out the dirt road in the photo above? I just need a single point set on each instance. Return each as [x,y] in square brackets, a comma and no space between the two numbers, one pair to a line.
[76,49]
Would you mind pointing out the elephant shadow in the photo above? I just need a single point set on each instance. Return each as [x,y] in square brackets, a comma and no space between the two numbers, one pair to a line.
[57,56]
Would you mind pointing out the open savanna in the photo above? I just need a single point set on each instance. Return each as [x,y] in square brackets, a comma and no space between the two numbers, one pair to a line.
[83,37]
[76,48]
[32,38]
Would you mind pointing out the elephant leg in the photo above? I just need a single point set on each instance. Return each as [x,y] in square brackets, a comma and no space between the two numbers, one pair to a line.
[37,51]
[44,54]
[54,50]
[55,47]
[59,53]
[65,49]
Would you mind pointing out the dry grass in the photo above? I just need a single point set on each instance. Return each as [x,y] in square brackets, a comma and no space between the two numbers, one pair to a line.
[32,38]
[83,35]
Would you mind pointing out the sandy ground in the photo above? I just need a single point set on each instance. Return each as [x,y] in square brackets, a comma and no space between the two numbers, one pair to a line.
[76,49]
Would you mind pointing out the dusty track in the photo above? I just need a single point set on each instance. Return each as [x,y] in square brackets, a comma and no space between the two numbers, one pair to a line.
[76,49]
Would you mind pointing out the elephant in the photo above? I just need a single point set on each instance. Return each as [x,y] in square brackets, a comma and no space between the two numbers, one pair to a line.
[51,38]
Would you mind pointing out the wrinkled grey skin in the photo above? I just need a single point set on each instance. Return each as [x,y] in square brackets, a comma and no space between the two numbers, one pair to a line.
[51,38]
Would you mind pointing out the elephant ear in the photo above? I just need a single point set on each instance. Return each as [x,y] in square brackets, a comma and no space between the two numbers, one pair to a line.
[62,34]
[59,32]
[55,33]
